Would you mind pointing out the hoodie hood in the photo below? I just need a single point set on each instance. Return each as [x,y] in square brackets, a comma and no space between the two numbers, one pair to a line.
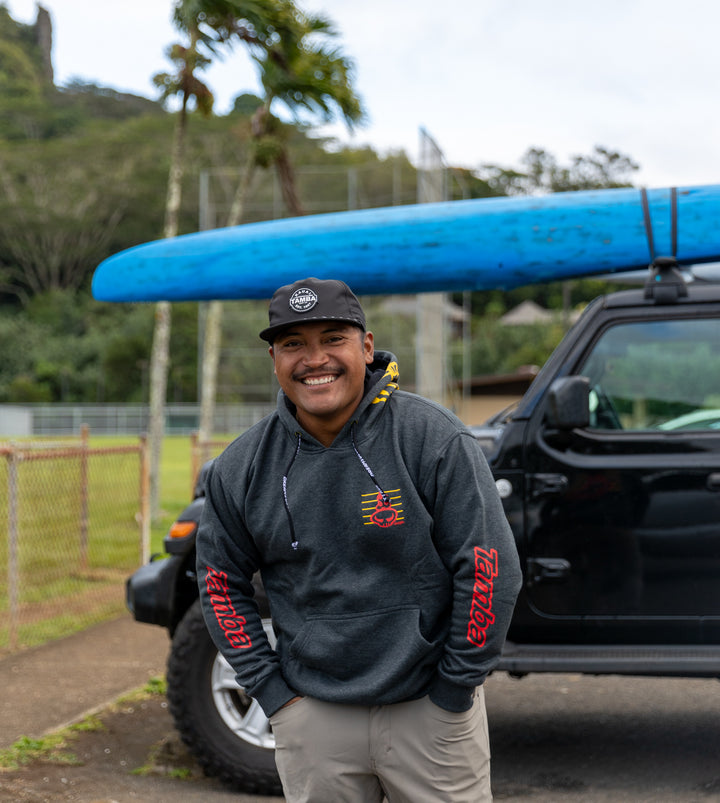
[382,373]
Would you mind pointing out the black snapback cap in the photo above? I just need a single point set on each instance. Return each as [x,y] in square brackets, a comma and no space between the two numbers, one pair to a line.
[310,300]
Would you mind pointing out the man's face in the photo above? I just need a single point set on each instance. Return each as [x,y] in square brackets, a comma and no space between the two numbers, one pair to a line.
[321,368]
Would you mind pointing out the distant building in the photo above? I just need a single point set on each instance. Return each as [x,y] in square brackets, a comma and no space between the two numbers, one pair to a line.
[527,312]
[488,394]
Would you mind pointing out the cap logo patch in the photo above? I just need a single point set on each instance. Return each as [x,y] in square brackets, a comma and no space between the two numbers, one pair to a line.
[303,299]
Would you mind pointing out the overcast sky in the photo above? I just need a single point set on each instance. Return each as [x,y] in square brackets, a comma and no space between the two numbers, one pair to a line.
[487,78]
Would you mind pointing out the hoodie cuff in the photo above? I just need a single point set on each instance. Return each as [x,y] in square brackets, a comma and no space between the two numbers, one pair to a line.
[272,693]
[450,696]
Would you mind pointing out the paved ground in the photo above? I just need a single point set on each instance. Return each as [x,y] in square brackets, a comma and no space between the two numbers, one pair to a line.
[50,686]
[556,738]
[46,688]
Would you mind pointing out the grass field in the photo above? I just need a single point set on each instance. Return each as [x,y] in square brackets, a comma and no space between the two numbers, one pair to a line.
[175,478]
[175,486]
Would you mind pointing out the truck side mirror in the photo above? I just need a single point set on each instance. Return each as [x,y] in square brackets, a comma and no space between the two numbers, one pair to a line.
[568,404]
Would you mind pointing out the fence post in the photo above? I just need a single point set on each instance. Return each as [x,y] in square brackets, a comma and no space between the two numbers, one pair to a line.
[13,539]
[194,461]
[144,500]
[84,497]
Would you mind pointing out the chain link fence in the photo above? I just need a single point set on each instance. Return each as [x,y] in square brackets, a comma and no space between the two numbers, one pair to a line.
[74,522]
[200,452]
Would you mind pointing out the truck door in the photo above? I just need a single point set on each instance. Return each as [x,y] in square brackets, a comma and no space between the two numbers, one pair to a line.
[623,516]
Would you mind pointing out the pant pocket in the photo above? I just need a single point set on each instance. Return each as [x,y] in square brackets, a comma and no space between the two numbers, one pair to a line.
[288,716]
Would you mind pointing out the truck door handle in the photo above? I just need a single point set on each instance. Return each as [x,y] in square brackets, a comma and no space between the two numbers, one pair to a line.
[713,482]
[542,570]
[546,484]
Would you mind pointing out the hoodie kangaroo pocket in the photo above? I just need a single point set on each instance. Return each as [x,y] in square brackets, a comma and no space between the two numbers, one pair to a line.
[372,649]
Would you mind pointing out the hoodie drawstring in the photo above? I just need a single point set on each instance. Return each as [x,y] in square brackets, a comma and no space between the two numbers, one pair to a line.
[385,498]
[294,541]
[363,461]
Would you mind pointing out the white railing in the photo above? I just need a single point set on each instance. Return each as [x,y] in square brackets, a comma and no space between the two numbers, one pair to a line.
[121,419]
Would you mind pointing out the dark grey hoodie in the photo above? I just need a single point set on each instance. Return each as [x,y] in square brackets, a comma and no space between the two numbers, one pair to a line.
[389,566]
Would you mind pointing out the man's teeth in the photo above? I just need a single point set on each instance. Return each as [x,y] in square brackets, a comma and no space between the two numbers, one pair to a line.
[321,380]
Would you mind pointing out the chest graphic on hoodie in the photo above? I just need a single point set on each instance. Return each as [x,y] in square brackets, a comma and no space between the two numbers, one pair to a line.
[383,509]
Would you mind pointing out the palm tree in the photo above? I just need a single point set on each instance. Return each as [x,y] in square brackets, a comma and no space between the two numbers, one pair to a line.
[207,24]
[298,69]
[185,84]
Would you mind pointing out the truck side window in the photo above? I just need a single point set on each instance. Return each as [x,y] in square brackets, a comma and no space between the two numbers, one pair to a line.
[656,375]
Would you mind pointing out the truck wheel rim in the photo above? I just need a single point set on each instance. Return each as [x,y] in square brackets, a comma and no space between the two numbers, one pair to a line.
[240,712]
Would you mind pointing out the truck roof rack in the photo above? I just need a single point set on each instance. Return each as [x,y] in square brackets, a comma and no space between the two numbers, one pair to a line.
[665,283]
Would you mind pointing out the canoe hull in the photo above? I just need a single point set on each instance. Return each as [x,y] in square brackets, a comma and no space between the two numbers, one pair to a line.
[463,245]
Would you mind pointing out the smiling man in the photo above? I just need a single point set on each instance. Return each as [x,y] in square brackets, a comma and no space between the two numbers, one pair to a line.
[389,566]
[321,368]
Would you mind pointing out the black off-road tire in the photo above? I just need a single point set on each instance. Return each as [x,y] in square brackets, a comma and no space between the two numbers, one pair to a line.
[241,756]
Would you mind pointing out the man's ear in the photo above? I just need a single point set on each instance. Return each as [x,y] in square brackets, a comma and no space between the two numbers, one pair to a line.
[272,356]
[369,347]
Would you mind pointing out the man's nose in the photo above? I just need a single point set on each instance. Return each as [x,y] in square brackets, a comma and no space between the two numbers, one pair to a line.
[315,354]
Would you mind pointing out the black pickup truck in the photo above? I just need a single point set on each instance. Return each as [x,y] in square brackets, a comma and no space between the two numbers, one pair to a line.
[609,470]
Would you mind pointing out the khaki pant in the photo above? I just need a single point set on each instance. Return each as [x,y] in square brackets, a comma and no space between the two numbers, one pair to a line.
[411,752]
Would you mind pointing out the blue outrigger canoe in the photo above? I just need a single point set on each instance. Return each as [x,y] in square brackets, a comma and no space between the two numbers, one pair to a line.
[462,245]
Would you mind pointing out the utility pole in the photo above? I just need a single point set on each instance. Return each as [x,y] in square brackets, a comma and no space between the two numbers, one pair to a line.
[430,337]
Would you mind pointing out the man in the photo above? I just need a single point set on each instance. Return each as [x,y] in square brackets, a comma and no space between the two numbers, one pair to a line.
[388,564]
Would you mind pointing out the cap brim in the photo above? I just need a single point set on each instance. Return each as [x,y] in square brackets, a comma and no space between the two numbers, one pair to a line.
[272,332]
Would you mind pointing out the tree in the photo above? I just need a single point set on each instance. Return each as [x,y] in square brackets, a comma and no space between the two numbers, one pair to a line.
[602,169]
[219,22]
[298,69]
[67,203]
[207,24]
[184,83]
[53,227]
